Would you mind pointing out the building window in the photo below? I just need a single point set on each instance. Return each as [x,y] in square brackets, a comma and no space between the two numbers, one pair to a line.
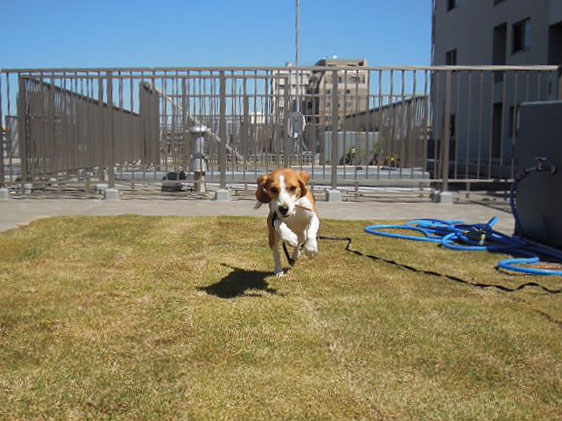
[451,4]
[521,35]
[451,57]
[555,44]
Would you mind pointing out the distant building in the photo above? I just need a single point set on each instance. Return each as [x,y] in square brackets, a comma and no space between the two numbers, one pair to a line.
[483,119]
[284,89]
[352,90]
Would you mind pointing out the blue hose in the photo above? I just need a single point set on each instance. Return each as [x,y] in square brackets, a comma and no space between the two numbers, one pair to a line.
[456,235]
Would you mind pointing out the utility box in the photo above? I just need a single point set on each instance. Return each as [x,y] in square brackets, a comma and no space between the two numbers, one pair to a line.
[539,194]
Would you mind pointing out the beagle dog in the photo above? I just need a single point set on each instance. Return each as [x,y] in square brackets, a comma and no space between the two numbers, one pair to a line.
[292,213]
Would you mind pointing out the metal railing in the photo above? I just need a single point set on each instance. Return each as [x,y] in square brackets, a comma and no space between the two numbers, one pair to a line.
[363,126]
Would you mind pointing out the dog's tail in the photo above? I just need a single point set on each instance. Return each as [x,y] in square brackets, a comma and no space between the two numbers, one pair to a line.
[258,204]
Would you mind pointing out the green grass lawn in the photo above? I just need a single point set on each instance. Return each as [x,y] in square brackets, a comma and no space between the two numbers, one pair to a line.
[166,318]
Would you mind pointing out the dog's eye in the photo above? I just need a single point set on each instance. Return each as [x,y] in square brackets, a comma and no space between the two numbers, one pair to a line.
[293,188]
[274,190]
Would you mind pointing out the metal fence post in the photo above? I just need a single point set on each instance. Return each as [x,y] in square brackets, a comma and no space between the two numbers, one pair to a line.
[222,131]
[446,131]
[335,110]
[286,116]
[2,137]
[111,169]
[22,130]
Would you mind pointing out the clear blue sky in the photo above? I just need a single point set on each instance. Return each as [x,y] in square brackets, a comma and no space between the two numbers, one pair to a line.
[123,33]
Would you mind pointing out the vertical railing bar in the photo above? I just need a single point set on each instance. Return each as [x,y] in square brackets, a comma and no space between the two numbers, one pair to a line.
[401,114]
[356,129]
[275,98]
[502,131]
[158,142]
[232,112]
[52,128]
[90,143]
[447,130]
[144,162]
[334,155]
[43,147]
[172,120]
[491,138]
[322,108]
[222,130]
[457,108]
[480,108]
[245,126]
[299,108]
[164,130]
[412,126]
[77,126]
[109,88]
[186,103]
[468,123]
[267,113]
[344,121]
[254,131]
[22,130]
[122,144]
[286,115]
[514,125]
[426,119]
[11,135]
[368,155]
[132,131]
[392,137]
[437,145]
[380,126]
[2,171]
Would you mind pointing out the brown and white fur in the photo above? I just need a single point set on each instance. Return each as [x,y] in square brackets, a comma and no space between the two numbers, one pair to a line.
[292,213]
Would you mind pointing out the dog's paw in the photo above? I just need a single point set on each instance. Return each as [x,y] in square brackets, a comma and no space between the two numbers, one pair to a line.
[311,248]
[291,238]
[279,273]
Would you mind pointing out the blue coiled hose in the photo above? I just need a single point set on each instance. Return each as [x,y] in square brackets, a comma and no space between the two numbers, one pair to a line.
[456,235]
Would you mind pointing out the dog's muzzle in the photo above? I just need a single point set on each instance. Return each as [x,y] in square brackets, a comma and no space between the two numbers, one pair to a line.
[283,210]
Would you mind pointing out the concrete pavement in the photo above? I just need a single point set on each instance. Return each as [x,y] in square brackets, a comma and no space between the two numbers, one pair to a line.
[16,212]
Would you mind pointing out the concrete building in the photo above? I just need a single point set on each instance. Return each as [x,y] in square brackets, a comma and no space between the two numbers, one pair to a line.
[484,107]
[502,32]
[352,85]
[284,89]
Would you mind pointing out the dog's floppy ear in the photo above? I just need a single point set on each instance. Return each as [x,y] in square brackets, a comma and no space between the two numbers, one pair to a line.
[303,179]
[261,193]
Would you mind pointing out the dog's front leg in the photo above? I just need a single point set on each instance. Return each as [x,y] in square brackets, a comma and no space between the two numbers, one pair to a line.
[277,269]
[286,234]
[311,243]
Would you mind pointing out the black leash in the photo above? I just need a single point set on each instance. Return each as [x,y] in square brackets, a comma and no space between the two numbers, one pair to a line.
[289,259]
[394,263]
[431,272]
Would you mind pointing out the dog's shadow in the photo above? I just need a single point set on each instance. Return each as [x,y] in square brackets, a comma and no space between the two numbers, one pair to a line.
[240,282]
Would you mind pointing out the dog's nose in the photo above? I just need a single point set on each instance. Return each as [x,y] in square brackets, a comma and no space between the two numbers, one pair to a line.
[283,210]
